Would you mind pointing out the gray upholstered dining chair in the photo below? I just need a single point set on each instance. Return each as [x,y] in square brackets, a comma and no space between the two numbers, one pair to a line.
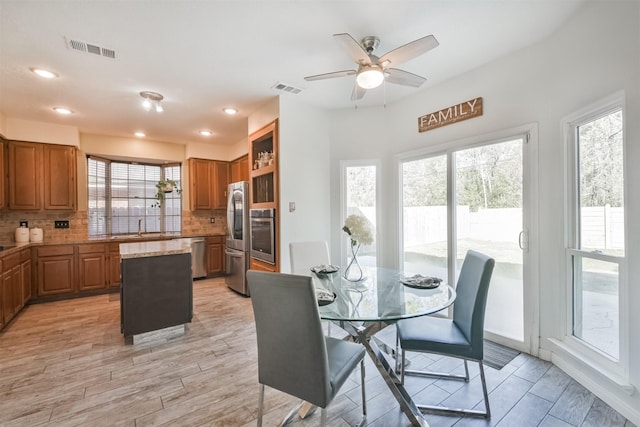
[293,354]
[460,337]
[304,255]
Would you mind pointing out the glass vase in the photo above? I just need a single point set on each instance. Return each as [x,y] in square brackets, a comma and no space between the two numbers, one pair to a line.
[353,272]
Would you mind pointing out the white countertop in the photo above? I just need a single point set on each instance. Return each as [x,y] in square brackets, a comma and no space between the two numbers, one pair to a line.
[156,248]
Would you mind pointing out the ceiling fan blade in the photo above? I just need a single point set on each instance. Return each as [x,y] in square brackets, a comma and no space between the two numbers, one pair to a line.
[408,51]
[357,93]
[330,75]
[353,48]
[404,78]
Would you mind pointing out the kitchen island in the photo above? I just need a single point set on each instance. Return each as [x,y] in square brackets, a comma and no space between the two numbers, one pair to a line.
[157,288]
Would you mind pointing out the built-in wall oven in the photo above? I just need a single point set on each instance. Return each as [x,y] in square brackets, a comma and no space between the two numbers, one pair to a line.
[263,235]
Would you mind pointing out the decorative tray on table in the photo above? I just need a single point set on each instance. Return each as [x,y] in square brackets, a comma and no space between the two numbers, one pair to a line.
[325,297]
[419,281]
[325,269]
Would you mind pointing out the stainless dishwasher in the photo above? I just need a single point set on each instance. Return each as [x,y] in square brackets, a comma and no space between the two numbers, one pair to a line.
[198,258]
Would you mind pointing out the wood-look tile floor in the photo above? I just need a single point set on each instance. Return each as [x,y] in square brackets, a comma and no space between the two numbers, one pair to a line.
[66,364]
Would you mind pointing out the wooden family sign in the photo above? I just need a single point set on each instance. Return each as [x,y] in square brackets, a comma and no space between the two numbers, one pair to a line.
[455,113]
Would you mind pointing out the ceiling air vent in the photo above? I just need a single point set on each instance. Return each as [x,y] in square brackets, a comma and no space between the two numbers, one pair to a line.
[286,88]
[90,48]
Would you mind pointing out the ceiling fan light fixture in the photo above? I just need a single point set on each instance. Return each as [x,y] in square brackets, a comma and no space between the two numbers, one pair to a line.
[370,77]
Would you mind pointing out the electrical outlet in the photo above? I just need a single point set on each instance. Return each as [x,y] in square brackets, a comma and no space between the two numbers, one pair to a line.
[24,224]
[61,224]
[213,220]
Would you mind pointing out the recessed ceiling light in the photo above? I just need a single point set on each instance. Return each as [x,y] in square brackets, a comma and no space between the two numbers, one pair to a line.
[140,134]
[44,73]
[62,110]
[206,133]
[230,111]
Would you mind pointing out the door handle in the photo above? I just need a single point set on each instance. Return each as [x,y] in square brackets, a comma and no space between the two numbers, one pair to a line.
[523,241]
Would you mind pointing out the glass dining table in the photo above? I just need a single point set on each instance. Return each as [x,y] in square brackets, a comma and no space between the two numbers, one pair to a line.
[365,307]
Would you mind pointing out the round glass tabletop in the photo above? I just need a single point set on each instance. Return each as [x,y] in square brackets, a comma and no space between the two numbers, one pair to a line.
[380,296]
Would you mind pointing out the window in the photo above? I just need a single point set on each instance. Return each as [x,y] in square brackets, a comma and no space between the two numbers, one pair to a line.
[360,192]
[596,244]
[121,198]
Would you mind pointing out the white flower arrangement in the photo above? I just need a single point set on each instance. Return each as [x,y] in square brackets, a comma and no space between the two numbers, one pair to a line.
[358,229]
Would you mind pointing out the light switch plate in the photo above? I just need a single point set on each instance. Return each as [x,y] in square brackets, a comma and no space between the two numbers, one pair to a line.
[213,220]
[292,206]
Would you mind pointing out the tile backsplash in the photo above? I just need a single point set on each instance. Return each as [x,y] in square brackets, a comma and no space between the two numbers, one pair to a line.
[193,223]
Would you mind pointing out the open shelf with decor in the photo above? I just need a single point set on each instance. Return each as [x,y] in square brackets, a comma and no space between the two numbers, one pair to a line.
[263,155]
[263,185]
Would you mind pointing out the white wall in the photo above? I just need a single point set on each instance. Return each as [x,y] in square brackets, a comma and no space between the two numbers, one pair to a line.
[304,175]
[238,149]
[595,54]
[204,150]
[3,125]
[264,115]
[32,131]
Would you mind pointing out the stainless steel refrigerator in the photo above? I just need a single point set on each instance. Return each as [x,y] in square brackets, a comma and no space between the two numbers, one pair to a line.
[238,242]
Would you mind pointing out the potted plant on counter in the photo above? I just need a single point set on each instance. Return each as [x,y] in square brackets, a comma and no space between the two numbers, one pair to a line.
[165,186]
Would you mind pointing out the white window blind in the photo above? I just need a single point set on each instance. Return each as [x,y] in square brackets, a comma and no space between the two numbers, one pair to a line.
[122,198]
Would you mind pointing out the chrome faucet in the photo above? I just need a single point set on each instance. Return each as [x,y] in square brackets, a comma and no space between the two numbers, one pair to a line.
[139,227]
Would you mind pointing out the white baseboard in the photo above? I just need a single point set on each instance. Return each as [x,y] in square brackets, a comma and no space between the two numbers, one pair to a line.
[618,394]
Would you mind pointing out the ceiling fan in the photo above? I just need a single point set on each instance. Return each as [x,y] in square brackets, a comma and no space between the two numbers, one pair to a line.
[373,70]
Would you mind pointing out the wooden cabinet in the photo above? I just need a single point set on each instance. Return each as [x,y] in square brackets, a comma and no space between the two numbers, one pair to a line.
[221,183]
[113,266]
[25,269]
[240,169]
[92,273]
[11,287]
[41,176]
[264,183]
[2,169]
[262,266]
[59,167]
[264,177]
[215,255]
[25,159]
[208,180]
[56,272]
[15,285]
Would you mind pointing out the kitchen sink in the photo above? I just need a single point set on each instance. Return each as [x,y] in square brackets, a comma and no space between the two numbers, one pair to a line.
[135,236]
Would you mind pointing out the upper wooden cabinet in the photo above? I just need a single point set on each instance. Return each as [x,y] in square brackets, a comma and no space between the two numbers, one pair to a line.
[59,177]
[263,155]
[25,182]
[208,181]
[41,176]
[2,169]
[240,169]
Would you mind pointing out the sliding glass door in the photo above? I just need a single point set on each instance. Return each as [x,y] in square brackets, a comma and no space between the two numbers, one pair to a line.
[471,197]
[488,194]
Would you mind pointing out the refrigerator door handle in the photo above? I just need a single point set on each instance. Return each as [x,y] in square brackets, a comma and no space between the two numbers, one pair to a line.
[234,254]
